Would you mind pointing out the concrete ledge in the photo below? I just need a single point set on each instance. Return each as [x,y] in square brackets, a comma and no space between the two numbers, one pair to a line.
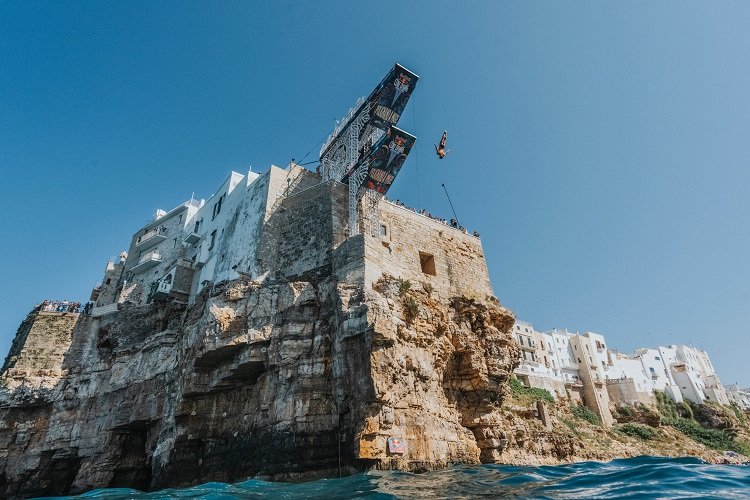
[98,312]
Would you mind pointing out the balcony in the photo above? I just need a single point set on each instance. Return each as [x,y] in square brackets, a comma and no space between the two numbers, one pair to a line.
[152,237]
[147,261]
[573,382]
[161,290]
[192,238]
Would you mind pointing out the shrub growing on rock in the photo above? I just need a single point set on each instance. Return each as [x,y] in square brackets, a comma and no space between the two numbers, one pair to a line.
[518,389]
[637,431]
[581,411]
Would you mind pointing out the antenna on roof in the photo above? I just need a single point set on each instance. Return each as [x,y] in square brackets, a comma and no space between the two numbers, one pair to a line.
[451,203]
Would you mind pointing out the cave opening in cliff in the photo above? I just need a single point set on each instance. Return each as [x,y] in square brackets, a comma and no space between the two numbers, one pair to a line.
[133,464]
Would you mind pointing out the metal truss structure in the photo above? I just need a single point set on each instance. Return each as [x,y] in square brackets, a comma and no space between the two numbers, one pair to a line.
[371,212]
[343,150]
[343,157]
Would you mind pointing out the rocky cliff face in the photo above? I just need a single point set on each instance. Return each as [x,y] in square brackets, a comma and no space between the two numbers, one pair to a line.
[384,350]
[280,379]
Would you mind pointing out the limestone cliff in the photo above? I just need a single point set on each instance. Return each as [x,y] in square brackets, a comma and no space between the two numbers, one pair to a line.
[328,354]
[325,354]
[282,380]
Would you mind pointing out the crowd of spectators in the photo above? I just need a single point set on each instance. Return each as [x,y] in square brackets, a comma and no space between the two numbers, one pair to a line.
[65,306]
[452,223]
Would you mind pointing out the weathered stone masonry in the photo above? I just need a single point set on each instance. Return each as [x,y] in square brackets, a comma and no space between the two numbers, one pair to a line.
[304,366]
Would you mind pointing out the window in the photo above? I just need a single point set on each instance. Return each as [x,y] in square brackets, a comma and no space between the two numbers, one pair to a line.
[427,262]
[109,280]
[174,243]
[217,207]
[213,239]
[179,221]
[383,230]
[197,225]
[657,358]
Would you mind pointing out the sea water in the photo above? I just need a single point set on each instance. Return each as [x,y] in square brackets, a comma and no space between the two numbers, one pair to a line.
[642,477]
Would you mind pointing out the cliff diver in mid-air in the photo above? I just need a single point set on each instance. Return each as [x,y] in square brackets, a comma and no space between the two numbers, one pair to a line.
[440,150]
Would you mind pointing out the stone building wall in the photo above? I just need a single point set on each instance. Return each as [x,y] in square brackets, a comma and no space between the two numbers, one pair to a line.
[555,387]
[107,291]
[420,249]
[595,395]
[38,351]
[625,391]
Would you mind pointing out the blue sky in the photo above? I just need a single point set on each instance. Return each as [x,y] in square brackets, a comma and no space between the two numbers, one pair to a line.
[600,148]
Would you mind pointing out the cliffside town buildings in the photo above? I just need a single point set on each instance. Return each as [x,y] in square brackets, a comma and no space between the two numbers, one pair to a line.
[203,242]
[199,243]
[582,367]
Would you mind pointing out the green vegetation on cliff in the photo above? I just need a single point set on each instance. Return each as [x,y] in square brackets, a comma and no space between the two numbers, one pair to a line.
[529,393]
[639,431]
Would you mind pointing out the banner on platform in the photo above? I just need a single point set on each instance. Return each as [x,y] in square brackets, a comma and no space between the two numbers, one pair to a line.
[382,109]
[386,158]
[388,100]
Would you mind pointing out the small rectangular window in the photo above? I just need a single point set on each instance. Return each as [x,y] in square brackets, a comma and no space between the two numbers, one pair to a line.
[427,262]
[213,239]
[383,230]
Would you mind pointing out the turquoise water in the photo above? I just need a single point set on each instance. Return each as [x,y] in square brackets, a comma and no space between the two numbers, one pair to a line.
[642,477]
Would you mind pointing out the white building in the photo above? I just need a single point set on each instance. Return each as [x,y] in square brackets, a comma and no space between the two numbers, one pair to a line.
[540,366]
[199,242]
[564,355]
[229,220]
[696,376]
[679,371]
[642,374]
[154,251]
[738,396]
